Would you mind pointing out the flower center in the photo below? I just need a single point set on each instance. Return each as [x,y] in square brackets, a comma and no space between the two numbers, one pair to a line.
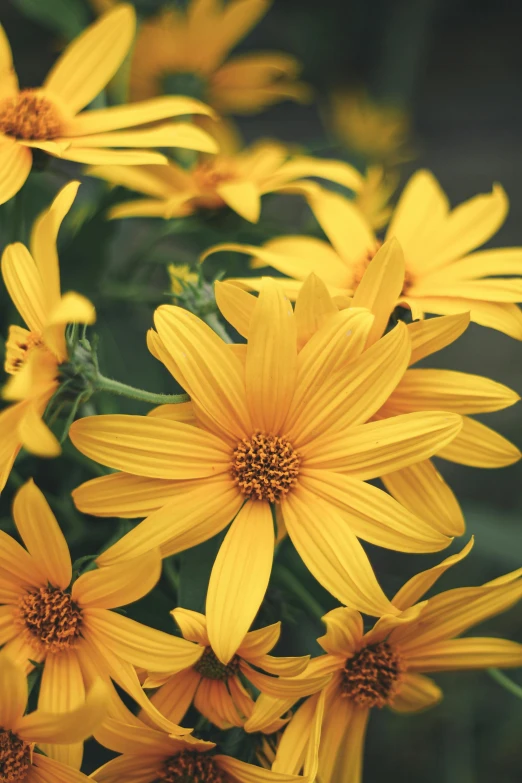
[29,116]
[15,757]
[265,467]
[371,677]
[208,176]
[18,346]
[51,618]
[211,668]
[191,767]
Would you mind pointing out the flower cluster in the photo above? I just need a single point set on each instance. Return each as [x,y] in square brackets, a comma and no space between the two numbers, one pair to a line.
[304,423]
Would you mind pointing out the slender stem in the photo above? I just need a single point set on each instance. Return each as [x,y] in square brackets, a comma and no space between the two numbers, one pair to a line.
[213,321]
[115,387]
[306,598]
[506,682]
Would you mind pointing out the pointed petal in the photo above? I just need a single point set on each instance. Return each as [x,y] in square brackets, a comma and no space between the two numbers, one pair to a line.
[132,769]
[179,134]
[260,642]
[505,289]
[288,666]
[236,305]
[13,687]
[292,747]
[503,316]
[17,565]
[335,729]
[8,80]
[46,770]
[457,654]
[480,447]
[10,443]
[345,226]
[239,578]
[112,157]
[36,436]
[25,286]
[243,198]
[120,584]
[349,762]
[193,625]
[433,334]
[499,261]
[15,165]
[123,495]
[344,631]
[416,693]
[247,773]
[313,307]
[175,697]
[303,166]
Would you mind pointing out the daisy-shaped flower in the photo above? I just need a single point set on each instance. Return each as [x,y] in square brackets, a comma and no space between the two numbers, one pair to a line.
[218,690]
[67,624]
[49,118]
[22,736]
[386,666]
[419,486]
[442,276]
[267,428]
[34,354]
[236,178]
[181,51]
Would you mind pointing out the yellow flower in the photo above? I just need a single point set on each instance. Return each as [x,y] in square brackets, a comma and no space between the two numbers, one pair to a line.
[386,666]
[20,762]
[374,195]
[419,486]
[68,625]
[266,427]
[217,689]
[192,46]
[236,178]
[181,277]
[47,118]
[33,355]
[440,276]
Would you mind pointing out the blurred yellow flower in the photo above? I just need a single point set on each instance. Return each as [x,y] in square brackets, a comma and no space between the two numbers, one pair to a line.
[47,119]
[180,277]
[33,355]
[374,196]
[189,48]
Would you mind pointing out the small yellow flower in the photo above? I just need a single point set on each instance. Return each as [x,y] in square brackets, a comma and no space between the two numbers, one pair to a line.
[68,625]
[48,118]
[180,277]
[374,196]
[193,45]
[20,761]
[236,178]
[33,355]
[218,689]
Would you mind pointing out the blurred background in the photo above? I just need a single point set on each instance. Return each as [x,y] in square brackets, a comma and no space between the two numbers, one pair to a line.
[449,75]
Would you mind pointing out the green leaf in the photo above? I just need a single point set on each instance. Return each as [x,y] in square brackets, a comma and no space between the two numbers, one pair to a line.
[65,17]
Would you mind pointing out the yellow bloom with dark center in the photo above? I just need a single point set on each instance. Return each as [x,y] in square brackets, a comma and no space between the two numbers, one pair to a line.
[69,626]
[49,118]
[418,486]
[442,275]
[190,47]
[236,178]
[266,427]
[22,736]
[34,354]
[217,689]
[387,666]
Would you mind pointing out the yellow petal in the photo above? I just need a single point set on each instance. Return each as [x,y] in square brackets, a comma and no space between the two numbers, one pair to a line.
[149,446]
[181,411]
[25,286]
[416,693]
[103,157]
[480,447]
[292,747]
[503,316]
[301,166]
[345,226]
[334,731]
[500,261]
[344,631]
[92,59]
[13,686]
[15,165]
[35,436]
[193,625]
[239,578]
[8,80]
[236,306]
[17,565]
[433,334]
[142,207]
[10,443]
[123,495]
[260,642]
[243,197]
[119,584]
[506,289]
[475,653]
[41,535]
[349,763]
[313,307]
[175,697]
[247,773]
[332,553]
[286,687]
[47,770]
[72,308]
[129,768]
[288,666]
[166,135]
[149,180]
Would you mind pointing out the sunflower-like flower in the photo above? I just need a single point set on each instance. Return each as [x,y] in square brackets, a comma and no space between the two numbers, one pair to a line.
[442,276]
[386,666]
[67,624]
[48,119]
[180,51]
[217,689]
[20,760]
[267,428]
[236,178]
[34,354]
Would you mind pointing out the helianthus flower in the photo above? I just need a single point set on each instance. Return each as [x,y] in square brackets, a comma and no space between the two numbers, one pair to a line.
[217,689]
[19,733]
[186,50]
[386,666]
[33,355]
[419,486]
[236,178]
[47,118]
[266,428]
[442,275]
[67,625]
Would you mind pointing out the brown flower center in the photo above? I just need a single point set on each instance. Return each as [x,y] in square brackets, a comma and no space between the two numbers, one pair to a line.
[212,668]
[191,767]
[362,266]
[29,116]
[371,677]
[265,467]
[15,757]
[20,343]
[51,619]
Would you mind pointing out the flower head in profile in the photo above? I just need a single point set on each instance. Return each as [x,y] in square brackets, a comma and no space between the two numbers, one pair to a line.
[443,275]
[267,428]
[67,624]
[236,177]
[49,118]
[218,690]
[185,52]
[22,737]
[34,354]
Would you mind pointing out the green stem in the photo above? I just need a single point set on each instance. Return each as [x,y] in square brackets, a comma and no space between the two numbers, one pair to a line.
[115,387]
[293,584]
[506,682]
[213,321]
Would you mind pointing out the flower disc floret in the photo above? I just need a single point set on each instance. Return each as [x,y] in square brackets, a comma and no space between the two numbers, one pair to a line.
[15,755]
[265,467]
[29,116]
[372,676]
[51,618]
[210,667]
[191,767]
